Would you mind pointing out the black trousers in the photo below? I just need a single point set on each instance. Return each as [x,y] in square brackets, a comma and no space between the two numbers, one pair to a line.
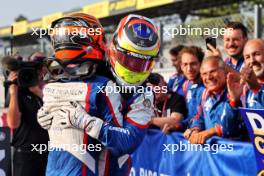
[29,163]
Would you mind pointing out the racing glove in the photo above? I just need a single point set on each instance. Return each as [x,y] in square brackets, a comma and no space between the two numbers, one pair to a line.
[44,118]
[76,116]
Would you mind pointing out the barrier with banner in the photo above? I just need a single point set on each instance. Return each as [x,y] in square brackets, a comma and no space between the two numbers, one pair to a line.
[254,119]
[5,152]
[162,155]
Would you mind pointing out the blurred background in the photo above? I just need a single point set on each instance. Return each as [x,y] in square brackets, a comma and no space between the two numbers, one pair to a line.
[167,14]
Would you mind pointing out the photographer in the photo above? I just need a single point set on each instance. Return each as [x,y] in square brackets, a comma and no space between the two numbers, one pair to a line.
[25,100]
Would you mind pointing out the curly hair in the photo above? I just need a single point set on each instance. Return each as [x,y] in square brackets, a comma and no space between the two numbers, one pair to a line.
[194,50]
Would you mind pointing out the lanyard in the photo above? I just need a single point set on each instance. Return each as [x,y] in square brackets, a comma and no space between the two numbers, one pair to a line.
[185,87]
[164,106]
[160,113]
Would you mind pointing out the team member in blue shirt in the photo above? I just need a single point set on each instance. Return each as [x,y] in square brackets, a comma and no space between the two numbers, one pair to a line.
[177,79]
[235,38]
[215,116]
[192,88]
[252,77]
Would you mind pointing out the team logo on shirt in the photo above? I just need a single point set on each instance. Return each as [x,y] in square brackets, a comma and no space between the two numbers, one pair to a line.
[223,115]
[189,95]
[175,85]
[208,104]
[194,86]
[251,101]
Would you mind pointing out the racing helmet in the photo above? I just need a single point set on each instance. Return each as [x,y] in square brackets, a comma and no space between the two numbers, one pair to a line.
[133,50]
[78,41]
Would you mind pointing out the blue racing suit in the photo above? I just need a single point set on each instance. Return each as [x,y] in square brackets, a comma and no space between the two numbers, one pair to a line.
[116,137]
[135,119]
[216,112]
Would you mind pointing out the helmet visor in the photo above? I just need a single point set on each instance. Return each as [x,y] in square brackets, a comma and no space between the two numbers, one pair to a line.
[133,61]
[127,76]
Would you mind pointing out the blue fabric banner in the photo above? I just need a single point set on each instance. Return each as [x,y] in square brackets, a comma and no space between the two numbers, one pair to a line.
[5,152]
[254,120]
[161,155]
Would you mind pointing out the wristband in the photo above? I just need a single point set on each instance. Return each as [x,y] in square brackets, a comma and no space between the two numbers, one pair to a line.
[218,129]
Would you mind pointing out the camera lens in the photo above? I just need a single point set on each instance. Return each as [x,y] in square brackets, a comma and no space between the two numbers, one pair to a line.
[27,77]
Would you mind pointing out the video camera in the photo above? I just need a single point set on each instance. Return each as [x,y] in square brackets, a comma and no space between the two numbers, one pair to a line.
[27,74]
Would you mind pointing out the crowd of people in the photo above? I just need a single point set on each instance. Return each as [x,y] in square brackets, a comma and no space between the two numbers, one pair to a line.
[214,87]
[201,99]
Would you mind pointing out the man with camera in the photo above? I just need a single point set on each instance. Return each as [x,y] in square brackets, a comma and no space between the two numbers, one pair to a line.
[235,38]
[25,100]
